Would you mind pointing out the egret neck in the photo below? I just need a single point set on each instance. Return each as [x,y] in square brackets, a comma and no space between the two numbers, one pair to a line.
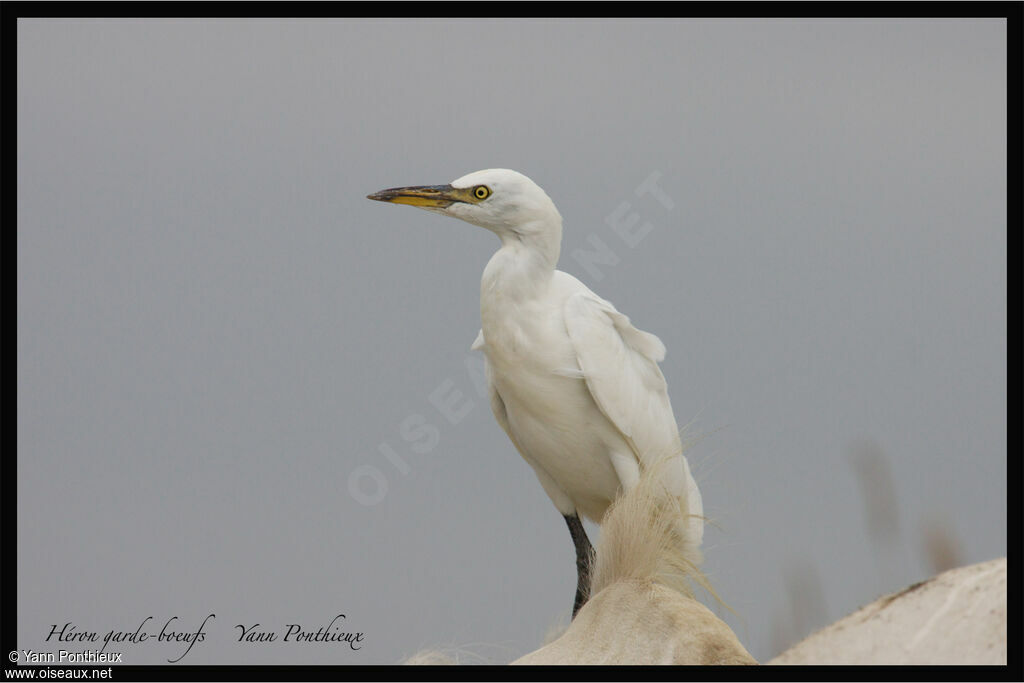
[523,267]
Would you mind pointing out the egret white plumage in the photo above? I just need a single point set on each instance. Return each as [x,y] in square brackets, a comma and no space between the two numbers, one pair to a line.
[573,383]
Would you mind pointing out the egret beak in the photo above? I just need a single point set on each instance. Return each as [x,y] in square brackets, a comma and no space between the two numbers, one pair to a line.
[424,196]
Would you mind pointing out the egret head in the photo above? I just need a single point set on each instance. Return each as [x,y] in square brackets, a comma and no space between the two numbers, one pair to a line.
[503,201]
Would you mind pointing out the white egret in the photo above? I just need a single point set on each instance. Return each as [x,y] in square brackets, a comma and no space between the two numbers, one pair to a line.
[575,386]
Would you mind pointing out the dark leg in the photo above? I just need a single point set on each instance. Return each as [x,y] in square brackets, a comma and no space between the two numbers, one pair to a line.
[584,556]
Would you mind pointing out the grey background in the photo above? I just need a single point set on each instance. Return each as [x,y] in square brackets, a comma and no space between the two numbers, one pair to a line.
[216,328]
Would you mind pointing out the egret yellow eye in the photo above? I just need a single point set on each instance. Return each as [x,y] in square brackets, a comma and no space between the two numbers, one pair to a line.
[481,192]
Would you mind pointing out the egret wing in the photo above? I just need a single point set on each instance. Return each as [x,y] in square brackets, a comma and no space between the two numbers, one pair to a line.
[620,367]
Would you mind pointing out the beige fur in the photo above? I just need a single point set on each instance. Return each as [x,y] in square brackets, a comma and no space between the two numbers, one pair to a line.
[957,617]
[642,610]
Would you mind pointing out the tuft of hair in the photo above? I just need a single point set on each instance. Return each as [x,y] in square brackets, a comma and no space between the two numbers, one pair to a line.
[470,653]
[645,535]
[430,658]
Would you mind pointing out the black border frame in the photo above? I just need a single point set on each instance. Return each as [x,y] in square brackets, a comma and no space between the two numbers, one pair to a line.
[10,12]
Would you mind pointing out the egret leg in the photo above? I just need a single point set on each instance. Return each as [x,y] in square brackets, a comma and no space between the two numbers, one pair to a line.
[584,558]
